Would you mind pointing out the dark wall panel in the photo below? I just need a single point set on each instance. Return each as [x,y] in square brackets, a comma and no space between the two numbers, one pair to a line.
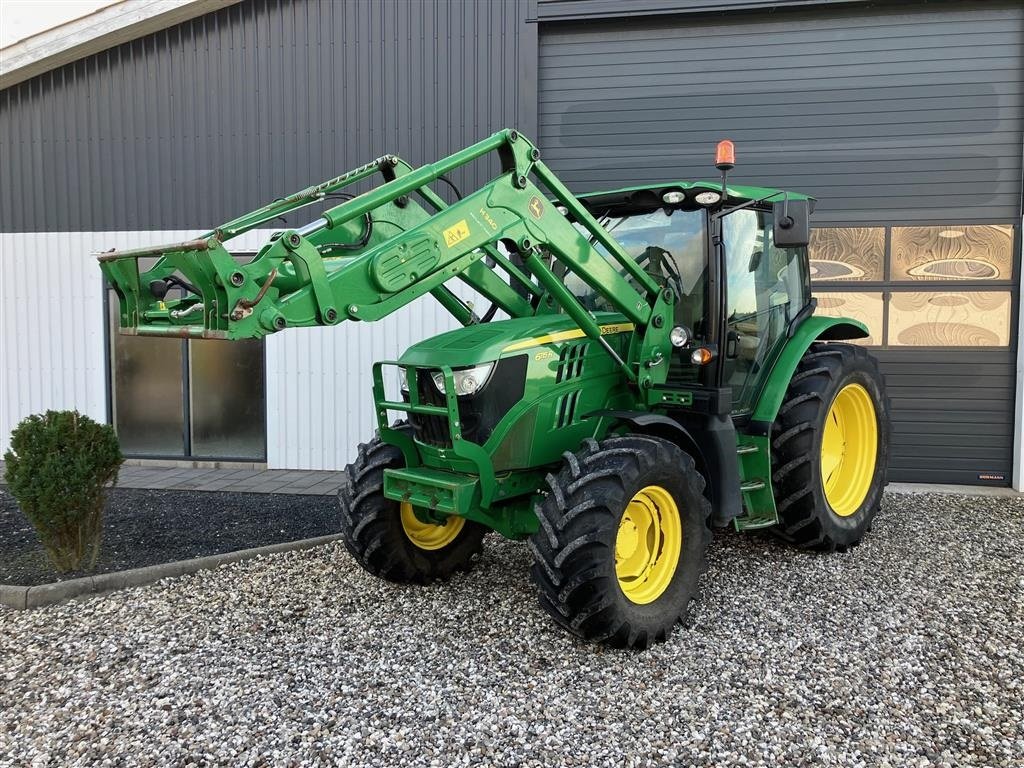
[902,114]
[953,415]
[548,10]
[192,125]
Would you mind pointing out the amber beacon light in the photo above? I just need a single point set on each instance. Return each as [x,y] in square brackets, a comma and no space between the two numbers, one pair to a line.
[725,161]
[725,155]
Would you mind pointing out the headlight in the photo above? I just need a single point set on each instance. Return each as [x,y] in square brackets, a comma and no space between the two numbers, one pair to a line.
[467,381]
[679,336]
[403,379]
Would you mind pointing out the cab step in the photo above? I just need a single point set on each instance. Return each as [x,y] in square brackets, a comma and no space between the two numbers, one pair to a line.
[754,454]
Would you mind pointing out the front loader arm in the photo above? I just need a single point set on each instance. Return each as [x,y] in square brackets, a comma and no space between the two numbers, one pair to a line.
[376,252]
[226,292]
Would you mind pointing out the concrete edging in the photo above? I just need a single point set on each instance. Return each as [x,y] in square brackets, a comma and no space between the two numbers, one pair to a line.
[21,598]
[983,491]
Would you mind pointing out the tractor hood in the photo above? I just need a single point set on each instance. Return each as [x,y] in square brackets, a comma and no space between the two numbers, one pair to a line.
[485,342]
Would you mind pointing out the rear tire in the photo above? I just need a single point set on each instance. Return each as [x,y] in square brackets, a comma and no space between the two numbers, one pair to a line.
[828,486]
[390,542]
[622,541]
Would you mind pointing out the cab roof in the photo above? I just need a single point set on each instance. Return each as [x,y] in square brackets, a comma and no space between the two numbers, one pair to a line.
[648,196]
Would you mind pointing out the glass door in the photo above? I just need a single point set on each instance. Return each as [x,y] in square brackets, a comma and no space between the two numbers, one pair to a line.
[226,399]
[766,287]
[196,399]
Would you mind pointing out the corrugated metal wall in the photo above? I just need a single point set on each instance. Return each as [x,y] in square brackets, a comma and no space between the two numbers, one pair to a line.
[548,10]
[52,325]
[192,125]
[894,113]
[319,384]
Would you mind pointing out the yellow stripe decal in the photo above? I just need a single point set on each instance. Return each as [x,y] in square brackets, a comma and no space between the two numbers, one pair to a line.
[576,333]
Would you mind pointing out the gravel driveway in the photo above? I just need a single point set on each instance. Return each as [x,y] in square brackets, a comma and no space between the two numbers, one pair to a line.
[907,651]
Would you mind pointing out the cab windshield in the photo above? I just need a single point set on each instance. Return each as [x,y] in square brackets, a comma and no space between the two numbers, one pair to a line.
[668,245]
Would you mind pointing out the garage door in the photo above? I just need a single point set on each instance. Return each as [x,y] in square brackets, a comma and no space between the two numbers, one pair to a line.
[905,123]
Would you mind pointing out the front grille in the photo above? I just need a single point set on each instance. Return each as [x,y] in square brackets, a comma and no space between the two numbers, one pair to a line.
[431,430]
[479,414]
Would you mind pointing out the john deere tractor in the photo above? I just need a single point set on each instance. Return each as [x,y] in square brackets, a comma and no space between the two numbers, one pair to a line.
[637,368]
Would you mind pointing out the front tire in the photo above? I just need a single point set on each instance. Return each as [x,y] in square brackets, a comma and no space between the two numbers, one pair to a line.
[622,541]
[830,448]
[385,536]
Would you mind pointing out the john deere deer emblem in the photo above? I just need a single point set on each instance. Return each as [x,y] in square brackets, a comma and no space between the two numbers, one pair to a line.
[536,207]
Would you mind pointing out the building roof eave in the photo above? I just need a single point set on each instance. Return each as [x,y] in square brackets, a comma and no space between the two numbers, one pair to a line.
[106,28]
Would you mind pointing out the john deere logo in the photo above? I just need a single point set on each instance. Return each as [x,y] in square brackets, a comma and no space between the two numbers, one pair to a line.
[536,207]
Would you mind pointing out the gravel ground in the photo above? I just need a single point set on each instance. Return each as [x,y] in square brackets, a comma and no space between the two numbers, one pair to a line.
[906,651]
[146,527]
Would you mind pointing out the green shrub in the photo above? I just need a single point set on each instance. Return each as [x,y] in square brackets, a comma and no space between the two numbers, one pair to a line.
[58,468]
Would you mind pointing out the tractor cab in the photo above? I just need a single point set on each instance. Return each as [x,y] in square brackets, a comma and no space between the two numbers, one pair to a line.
[737,289]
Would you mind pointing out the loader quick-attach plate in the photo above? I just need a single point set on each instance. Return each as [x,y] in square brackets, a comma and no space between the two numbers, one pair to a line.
[431,490]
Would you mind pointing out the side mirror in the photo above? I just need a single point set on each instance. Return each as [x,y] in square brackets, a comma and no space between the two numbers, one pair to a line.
[792,225]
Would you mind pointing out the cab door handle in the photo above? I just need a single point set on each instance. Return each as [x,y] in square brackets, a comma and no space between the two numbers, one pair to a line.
[732,344]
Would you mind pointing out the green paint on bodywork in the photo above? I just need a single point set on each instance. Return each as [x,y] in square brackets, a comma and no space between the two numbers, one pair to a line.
[498,480]
[485,342]
[771,397]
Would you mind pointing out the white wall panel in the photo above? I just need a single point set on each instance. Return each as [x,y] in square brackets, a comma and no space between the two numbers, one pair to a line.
[319,400]
[52,354]
[51,327]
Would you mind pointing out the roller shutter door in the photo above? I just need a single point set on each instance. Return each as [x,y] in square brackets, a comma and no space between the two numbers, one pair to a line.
[905,122]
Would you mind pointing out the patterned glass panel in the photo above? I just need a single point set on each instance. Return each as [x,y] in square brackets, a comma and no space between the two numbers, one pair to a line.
[847,254]
[953,252]
[866,307]
[949,319]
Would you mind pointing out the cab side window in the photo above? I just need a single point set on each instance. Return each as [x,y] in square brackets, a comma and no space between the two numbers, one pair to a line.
[766,287]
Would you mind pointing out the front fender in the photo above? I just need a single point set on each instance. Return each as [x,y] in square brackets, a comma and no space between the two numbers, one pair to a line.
[814,328]
[711,442]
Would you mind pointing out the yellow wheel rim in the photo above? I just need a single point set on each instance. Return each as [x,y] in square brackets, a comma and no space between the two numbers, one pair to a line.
[849,448]
[429,535]
[648,544]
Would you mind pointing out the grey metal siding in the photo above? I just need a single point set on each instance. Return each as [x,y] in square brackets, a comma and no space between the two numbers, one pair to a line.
[560,10]
[953,414]
[199,122]
[909,114]
[905,114]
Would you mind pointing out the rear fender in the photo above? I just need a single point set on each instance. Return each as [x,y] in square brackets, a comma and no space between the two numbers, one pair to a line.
[812,329]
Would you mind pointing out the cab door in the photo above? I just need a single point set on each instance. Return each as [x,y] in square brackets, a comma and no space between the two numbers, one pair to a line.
[765,287]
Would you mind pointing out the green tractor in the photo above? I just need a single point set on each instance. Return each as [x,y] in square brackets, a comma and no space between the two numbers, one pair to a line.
[648,367]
